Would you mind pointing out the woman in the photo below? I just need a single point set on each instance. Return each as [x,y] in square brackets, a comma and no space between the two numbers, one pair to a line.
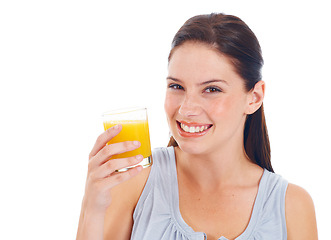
[215,180]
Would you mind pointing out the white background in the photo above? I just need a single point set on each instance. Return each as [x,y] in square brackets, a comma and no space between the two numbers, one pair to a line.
[64,62]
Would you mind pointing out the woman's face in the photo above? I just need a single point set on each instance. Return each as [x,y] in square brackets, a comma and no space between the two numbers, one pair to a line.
[206,102]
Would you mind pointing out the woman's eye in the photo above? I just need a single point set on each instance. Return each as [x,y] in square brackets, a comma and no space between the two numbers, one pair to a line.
[175,86]
[212,90]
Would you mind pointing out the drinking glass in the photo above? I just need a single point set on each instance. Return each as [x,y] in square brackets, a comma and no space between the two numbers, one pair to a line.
[134,123]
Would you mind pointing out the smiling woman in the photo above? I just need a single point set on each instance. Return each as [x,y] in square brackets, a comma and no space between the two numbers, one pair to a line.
[215,180]
[194,64]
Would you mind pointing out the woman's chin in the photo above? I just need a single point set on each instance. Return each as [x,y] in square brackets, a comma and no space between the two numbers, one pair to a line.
[191,148]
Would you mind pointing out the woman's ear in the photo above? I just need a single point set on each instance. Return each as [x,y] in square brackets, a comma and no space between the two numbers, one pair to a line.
[255,97]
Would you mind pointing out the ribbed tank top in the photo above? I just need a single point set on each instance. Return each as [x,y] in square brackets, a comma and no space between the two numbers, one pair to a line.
[157,215]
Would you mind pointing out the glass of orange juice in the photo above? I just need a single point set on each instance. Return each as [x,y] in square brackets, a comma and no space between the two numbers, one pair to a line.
[134,128]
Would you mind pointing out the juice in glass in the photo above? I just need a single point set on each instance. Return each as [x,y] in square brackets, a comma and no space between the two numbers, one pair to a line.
[134,128]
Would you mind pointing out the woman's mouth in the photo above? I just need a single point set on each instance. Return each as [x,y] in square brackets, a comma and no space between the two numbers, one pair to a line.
[192,129]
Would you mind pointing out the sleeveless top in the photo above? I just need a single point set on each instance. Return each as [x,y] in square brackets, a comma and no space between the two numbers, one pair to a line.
[157,215]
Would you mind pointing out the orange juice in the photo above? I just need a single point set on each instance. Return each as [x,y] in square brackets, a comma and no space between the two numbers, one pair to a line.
[132,130]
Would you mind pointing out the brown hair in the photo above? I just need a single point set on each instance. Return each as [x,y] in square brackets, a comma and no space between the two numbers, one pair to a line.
[233,38]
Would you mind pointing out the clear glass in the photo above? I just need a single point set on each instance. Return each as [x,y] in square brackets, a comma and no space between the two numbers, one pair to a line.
[134,123]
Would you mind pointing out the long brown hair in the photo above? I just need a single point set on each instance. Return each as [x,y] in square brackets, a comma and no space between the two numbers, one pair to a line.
[232,37]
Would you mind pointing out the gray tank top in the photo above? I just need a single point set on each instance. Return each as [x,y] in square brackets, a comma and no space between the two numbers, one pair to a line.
[157,215]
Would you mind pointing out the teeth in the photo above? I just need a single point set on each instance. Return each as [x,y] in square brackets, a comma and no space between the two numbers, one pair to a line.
[186,128]
[193,129]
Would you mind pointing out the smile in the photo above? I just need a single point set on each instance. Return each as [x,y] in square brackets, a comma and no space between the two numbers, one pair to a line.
[192,129]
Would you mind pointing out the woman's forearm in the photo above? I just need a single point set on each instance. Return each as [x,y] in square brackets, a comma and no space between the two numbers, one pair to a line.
[91,225]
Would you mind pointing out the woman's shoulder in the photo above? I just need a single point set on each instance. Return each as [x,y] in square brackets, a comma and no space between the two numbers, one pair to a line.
[298,197]
[300,213]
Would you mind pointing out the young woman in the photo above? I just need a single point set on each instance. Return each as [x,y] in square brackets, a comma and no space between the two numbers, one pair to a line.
[215,180]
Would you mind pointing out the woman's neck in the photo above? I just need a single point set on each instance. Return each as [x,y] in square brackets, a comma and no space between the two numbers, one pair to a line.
[219,169]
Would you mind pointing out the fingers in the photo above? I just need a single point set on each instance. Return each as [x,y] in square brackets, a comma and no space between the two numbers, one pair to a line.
[108,168]
[110,150]
[100,167]
[117,178]
[102,175]
[104,138]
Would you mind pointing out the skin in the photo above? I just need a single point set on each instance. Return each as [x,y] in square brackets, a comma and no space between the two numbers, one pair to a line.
[101,185]
[217,181]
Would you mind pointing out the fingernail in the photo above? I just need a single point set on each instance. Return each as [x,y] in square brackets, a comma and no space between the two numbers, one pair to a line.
[136,143]
[116,126]
[139,157]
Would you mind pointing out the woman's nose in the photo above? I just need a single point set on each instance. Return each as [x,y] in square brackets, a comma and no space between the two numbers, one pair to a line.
[190,106]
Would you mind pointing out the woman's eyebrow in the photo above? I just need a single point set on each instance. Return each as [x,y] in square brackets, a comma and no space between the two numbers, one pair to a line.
[203,83]
[173,79]
[213,81]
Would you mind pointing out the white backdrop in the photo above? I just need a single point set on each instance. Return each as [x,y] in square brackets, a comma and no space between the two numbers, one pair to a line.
[64,62]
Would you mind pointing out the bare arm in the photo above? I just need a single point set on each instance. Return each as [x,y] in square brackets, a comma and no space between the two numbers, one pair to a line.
[101,179]
[300,214]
